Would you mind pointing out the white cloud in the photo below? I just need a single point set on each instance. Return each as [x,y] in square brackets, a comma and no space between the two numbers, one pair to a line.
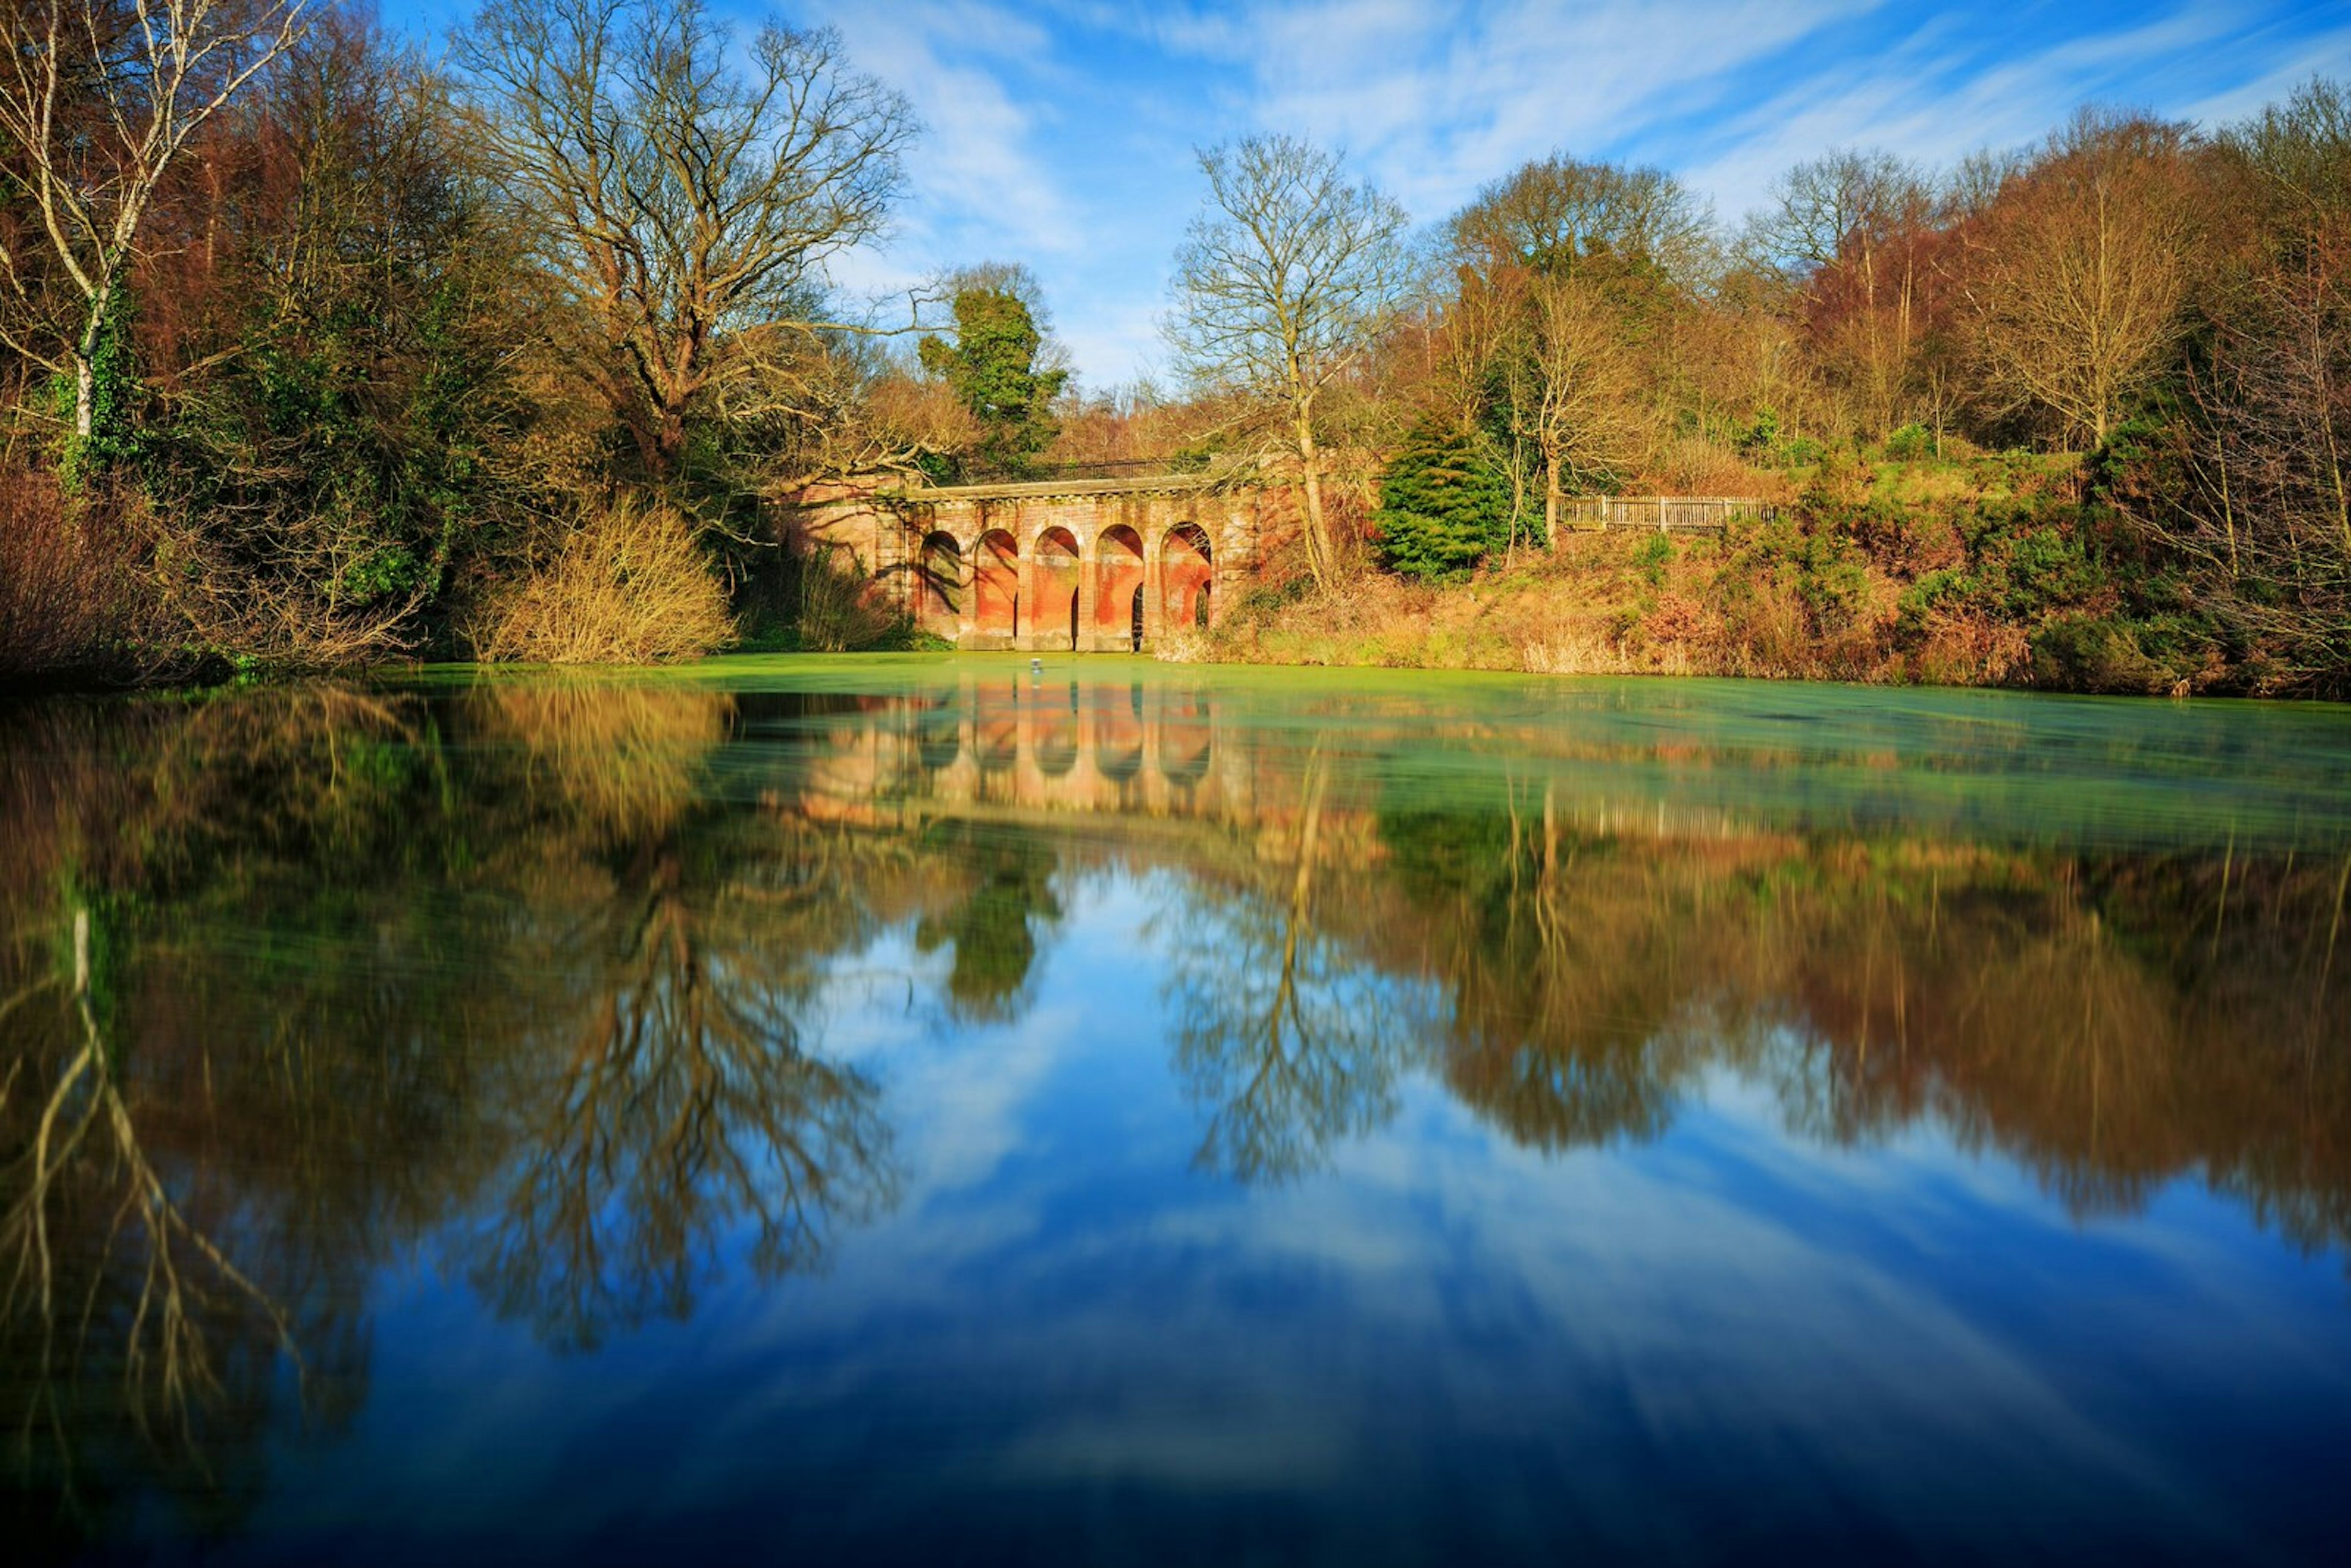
[1434,102]
[977,172]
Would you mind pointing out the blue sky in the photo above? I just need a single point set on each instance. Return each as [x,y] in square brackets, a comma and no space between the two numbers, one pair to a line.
[1061,133]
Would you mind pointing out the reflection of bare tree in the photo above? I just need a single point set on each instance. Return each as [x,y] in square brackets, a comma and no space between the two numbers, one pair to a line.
[1564,978]
[1287,1035]
[2109,1024]
[682,1103]
[119,1304]
[325,953]
[618,758]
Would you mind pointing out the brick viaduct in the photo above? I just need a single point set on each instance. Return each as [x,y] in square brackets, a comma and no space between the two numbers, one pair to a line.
[1073,565]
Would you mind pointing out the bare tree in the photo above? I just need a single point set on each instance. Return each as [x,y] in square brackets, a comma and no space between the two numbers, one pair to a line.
[100,100]
[2266,450]
[1281,287]
[2257,489]
[1558,211]
[1972,185]
[1572,387]
[1452,342]
[1836,207]
[688,202]
[2075,278]
[1849,229]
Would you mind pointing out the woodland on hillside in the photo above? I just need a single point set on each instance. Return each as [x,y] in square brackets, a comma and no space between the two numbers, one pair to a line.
[315,350]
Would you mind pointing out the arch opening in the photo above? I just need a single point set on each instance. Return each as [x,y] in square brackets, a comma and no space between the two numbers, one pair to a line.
[1118,578]
[938,739]
[1053,589]
[996,713]
[938,583]
[1186,576]
[1056,743]
[996,584]
[1187,740]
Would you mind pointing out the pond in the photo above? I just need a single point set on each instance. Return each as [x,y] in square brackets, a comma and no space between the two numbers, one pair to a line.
[932,1109]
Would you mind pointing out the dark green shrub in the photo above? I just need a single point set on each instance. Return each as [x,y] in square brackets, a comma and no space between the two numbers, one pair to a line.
[1936,590]
[1762,435]
[2081,651]
[1835,583]
[1443,505]
[1910,444]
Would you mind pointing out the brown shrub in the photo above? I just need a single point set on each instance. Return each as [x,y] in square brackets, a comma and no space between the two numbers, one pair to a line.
[1691,466]
[833,605]
[1969,650]
[75,597]
[623,584]
[1678,618]
[290,614]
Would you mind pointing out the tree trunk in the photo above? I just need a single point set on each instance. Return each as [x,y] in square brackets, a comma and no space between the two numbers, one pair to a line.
[85,364]
[85,398]
[1551,499]
[1318,534]
[672,443]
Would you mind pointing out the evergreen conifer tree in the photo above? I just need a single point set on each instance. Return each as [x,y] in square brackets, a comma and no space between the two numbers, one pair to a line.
[1443,505]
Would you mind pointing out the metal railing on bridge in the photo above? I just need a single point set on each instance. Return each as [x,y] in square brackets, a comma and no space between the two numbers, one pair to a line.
[1695,514]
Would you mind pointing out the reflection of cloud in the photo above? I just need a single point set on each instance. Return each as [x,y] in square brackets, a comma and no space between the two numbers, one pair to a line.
[1717,1285]
[1723,1286]
[963,1098]
[1634,1340]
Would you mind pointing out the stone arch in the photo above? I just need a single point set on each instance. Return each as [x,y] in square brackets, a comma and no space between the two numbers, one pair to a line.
[1053,567]
[1187,740]
[938,737]
[996,727]
[1118,575]
[996,584]
[1055,734]
[938,581]
[1187,575]
[1118,748]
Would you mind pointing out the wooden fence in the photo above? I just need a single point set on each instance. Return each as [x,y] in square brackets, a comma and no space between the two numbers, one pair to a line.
[1700,514]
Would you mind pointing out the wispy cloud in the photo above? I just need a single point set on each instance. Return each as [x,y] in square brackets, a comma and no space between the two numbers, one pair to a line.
[980,166]
[1435,100]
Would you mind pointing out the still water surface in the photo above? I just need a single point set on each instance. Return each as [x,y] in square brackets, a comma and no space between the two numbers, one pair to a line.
[922,1111]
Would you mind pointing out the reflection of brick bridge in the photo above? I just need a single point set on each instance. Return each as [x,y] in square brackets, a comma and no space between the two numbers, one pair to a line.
[1013,746]
[1044,745]
[1084,565]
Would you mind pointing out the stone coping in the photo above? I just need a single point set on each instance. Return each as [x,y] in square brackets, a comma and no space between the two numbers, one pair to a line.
[1039,489]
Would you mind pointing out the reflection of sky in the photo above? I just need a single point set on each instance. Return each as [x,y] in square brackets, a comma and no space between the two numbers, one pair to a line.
[1065,1340]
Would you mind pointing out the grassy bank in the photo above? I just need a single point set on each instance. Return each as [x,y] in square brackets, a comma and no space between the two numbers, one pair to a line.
[1988,571]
